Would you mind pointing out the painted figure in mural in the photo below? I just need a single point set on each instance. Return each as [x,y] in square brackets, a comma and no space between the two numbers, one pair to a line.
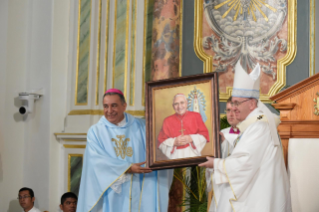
[68,202]
[254,177]
[184,133]
[197,103]
[113,176]
[229,134]
[26,200]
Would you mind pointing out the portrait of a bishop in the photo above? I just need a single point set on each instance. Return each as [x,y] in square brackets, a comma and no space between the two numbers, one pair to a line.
[184,133]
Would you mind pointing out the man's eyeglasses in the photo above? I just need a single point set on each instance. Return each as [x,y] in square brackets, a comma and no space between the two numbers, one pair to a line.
[236,104]
[24,197]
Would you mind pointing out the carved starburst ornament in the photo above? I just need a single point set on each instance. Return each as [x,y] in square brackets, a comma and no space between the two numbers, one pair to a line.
[245,30]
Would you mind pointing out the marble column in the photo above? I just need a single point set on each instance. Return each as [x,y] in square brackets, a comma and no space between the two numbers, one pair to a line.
[165,62]
[166,39]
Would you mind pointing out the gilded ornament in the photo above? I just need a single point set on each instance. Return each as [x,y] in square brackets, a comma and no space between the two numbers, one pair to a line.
[229,44]
[121,148]
[129,151]
[316,106]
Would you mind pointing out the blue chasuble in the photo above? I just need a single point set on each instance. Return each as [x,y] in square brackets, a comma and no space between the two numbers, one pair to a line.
[109,153]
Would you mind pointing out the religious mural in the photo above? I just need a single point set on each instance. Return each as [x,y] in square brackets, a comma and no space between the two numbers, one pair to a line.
[252,31]
[165,39]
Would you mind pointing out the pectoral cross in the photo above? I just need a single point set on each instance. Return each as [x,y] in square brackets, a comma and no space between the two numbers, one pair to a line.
[182,130]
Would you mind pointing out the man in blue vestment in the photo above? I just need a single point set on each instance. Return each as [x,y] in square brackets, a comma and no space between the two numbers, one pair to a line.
[113,177]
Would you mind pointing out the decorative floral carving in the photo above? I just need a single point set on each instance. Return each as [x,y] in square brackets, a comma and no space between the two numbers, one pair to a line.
[316,106]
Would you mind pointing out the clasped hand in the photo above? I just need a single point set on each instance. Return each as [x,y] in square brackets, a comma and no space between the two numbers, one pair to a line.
[136,168]
[182,140]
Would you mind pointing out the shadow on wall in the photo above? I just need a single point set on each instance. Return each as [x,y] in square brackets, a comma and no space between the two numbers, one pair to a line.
[14,206]
[17,116]
[36,203]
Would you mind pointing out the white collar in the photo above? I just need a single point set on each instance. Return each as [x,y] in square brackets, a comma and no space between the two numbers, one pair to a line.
[32,209]
[121,123]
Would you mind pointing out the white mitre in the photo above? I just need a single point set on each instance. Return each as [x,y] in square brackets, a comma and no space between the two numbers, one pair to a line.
[248,86]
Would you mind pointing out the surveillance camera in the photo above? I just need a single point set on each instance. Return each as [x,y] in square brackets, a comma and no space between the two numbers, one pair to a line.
[23,109]
[27,101]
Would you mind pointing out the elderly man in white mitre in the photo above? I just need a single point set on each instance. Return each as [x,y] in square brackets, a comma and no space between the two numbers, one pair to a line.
[184,133]
[254,177]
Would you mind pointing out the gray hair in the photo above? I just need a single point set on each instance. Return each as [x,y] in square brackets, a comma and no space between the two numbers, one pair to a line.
[179,94]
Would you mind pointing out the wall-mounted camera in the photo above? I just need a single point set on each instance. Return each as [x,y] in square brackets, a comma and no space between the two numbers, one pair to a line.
[27,101]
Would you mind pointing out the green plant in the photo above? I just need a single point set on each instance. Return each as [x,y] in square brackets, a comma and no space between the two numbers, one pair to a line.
[224,123]
[194,182]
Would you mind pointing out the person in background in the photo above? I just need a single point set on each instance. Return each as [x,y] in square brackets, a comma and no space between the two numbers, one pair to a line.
[229,134]
[26,200]
[68,202]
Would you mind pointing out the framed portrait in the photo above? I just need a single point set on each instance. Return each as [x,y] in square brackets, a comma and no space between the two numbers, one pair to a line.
[182,121]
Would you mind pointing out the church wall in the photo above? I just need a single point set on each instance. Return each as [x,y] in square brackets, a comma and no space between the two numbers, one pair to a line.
[34,54]
[37,125]
[191,64]
[59,81]
[3,37]
[298,70]
[12,81]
